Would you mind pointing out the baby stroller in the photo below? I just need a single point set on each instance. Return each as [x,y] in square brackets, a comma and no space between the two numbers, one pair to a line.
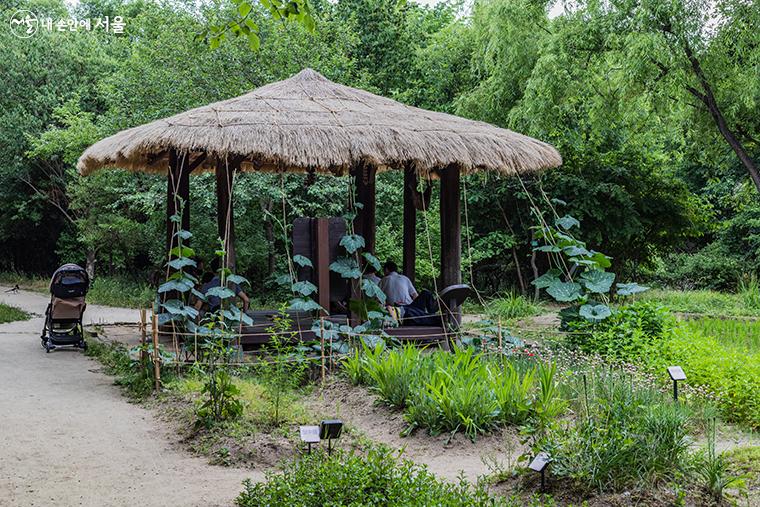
[63,317]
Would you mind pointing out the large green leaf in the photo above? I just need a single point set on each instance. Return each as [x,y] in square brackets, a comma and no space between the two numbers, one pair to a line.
[564,291]
[629,289]
[180,263]
[302,261]
[346,267]
[181,285]
[220,292]
[305,288]
[595,313]
[237,279]
[567,222]
[372,261]
[547,278]
[352,242]
[373,290]
[304,305]
[597,281]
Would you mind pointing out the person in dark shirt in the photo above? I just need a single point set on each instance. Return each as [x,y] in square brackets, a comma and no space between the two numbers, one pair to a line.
[210,280]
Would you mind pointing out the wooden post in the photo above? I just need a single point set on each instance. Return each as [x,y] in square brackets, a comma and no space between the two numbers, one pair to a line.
[225,171]
[143,336]
[156,355]
[410,223]
[364,223]
[321,239]
[451,239]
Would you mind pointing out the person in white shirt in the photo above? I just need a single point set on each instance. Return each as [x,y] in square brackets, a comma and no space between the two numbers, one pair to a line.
[398,288]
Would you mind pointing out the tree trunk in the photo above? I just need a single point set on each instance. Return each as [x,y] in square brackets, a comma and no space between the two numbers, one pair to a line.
[707,97]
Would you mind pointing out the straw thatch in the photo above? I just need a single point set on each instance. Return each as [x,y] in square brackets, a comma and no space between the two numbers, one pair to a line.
[309,123]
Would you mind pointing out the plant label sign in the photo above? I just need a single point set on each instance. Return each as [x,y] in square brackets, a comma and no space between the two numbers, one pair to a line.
[539,462]
[676,373]
[309,434]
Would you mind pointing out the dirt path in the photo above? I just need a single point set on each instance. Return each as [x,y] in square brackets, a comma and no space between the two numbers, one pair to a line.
[68,437]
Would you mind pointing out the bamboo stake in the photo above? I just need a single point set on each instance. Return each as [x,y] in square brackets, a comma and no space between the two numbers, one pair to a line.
[322,345]
[156,355]
[143,336]
[175,343]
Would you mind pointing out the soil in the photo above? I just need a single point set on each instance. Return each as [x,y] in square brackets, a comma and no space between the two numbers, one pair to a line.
[445,456]
[69,437]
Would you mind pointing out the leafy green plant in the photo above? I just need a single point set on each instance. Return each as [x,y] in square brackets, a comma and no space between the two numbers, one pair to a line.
[285,366]
[627,334]
[713,469]
[578,275]
[395,374]
[374,479]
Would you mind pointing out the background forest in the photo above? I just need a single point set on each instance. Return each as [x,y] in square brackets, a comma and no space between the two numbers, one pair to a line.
[654,109]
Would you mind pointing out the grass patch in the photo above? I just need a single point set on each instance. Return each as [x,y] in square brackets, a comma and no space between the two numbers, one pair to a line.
[512,306]
[745,461]
[706,302]
[117,291]
[122,292]
[742,334]
[12,314]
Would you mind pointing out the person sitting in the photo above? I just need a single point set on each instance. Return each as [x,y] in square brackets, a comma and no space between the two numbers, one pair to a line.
[371,274]
[398,289]
[423,311]
[210,280]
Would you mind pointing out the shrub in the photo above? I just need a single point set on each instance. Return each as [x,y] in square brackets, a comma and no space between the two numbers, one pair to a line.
[626,335]
[713,268]
[377,479]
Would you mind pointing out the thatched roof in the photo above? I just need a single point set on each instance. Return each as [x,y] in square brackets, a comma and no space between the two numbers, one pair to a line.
[309,123]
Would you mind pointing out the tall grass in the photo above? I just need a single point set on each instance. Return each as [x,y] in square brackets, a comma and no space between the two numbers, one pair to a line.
[105,290]
[11,314]
[706,302]
[456,392]
[624,435]
[744,334]
[512,306]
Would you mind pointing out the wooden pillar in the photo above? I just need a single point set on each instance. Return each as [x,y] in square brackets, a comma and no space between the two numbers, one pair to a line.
[451,228]
[410,223]
[364,223]
[177,190]
[321,242]
[225,172]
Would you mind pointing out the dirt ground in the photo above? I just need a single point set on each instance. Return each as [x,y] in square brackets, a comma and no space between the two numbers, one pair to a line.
[365,418]
[68,436]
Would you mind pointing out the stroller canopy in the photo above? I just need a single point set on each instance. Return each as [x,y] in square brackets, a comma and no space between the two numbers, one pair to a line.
[70,280]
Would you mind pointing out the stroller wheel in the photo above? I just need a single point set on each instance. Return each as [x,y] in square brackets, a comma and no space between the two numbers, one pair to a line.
[47,347]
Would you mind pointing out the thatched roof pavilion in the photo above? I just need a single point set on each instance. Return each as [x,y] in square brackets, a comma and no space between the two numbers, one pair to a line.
[308,123]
